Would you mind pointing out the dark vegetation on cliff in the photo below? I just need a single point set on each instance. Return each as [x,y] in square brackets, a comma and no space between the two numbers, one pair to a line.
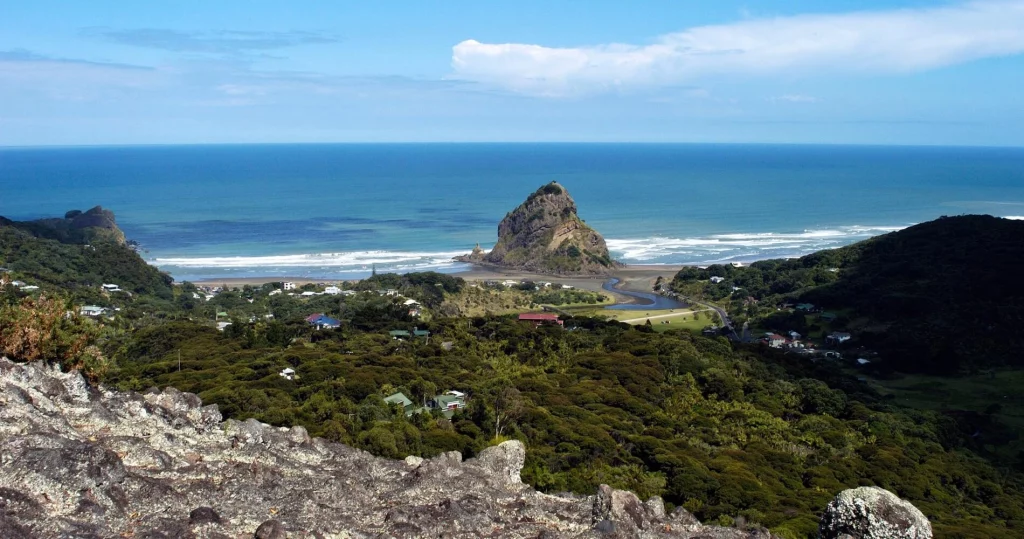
[78,255]
[544,234]
[937,297]
[733,434]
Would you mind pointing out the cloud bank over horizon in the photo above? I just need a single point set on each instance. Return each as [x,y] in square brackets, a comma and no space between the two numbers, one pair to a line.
[865,42]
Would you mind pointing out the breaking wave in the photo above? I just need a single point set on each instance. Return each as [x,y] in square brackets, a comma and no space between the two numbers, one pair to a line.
[738,247]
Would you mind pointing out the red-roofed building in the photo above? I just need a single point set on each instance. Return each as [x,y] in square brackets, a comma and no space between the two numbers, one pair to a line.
[539,319]
[775,341]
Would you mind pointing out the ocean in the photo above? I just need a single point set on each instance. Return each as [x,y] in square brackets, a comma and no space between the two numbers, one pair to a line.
[337,210]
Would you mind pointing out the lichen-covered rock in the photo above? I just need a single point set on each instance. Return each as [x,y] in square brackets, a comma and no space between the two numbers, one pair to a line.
[77,461]
[873,513]
[545,235]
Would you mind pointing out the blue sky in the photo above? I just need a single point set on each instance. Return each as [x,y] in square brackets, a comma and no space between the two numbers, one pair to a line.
[829,71]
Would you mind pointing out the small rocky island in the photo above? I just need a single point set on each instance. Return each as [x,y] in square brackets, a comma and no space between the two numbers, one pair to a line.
[545,235]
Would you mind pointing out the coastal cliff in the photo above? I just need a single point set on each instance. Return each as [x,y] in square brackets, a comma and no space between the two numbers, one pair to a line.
[77,227]
[544,234]
[89,462]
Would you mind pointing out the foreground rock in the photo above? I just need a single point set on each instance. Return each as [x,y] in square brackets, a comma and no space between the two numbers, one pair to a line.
[873,513]
[545,235]
[91,463]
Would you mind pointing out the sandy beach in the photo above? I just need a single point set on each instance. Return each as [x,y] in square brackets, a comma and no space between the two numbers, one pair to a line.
[636,277]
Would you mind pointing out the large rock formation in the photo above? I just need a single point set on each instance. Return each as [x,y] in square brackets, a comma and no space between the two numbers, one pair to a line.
[96,224]
[84,462]
[545,235]
[873,513]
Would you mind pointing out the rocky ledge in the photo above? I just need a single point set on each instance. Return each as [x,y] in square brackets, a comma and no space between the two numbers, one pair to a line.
[87,462]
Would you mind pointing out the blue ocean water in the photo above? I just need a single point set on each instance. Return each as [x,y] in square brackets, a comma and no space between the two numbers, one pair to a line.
[332,211]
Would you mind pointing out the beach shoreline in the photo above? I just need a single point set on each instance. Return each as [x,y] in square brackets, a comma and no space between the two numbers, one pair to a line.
[634,277]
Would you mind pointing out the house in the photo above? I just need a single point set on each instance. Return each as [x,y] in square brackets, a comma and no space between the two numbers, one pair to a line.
[794,335]
[805,307]
[415,312]
[17,284]
[288,373]
[322,321]
[222,325]
[404,333]
[288,285]
[450,401]
[510,283]
[837,337]
[567,287]
[711,331]
[410,302]
[274,292]
[348,292]
[111,288]
[402,401]
[861,361]
[715,279]
[91,310]
[539,319]
[29,288]
[775,340]
[829,317]
[309,293]
[332,290]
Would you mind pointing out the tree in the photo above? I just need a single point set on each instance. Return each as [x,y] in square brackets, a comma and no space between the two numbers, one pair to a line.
[508,406]
[48,329]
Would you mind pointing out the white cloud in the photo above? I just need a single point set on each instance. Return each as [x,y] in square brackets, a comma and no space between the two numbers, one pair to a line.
[895,41]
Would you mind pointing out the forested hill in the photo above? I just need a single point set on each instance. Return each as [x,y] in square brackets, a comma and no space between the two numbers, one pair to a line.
[77,254]
[937,297]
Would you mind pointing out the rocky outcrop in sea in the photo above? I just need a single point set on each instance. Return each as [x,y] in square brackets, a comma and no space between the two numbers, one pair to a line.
[87,462]
[544,234]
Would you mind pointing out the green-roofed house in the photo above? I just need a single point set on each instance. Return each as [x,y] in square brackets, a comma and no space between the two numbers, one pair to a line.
[403,401]
[828,317]
[449,402]
[805,307]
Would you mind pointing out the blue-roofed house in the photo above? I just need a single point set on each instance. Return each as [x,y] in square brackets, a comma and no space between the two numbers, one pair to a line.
[322,321]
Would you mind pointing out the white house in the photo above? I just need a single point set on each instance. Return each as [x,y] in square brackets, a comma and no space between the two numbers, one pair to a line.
[775,341]
[567,287]
[111,288]
[348,292]
[794,335]
[410,302]
[91,310]
[274,292]
[510,283]
[288,373]
[289,285]
[716,279]
[222,325]
[862,361]
[838,337]
[29,288]
[309,293]
[332,290]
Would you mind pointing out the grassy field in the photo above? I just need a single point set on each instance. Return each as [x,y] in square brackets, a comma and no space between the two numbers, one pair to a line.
[662,320]
[998,392]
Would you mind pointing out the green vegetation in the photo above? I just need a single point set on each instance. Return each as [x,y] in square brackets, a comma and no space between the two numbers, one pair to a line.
[726,431]
[931,298]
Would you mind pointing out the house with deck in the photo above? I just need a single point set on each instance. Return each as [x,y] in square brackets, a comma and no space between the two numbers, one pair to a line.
[540,319]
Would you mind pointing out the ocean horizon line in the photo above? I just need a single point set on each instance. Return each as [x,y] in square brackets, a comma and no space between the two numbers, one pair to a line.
[504,143]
